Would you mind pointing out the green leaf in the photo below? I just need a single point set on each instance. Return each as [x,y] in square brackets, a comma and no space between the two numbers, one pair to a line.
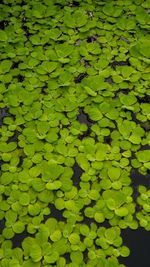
[101,153]
[6,178]
[126,71]
[53,186]
[89,212]
[76,257]
[42,127]
[52,258]
[143,156]
[114,173]
[18,227]
[99,217]
[30,263]
[111,235]
[118,197]
[56,235]
[54,33]
[34,209]
[124,252]
[47,67]
[38,184]
[3,36]
[5,66]
[127,99]
[90,91]
[95,114]
[95,82]
[84,230]
[110,10]
[51,171]
[74,239]
[122,211]
[36,253]
[24,199]
[63,50]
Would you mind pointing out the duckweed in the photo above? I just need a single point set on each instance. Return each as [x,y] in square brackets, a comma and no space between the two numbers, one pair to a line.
[74,122]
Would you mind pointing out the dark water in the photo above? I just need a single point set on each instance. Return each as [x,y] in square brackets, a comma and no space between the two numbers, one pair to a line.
[138,241]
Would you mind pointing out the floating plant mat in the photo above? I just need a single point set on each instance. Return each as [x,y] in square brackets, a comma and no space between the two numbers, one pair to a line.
[74,132]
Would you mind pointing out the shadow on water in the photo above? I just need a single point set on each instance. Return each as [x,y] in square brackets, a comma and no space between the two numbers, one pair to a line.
[138,242]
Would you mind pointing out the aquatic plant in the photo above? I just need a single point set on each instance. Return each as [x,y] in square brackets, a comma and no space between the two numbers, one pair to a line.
[74,121]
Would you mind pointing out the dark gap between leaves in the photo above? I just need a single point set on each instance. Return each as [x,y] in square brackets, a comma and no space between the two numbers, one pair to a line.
[124,39]
[7,84]
[84,118]
[107,140]
[60,42]
[67,257]
[3,24]
[14,138]
[92,39]
[23,3]
[57,214]
[124,91]
[74,4]
[145,147]
[8,4]
[85,255]
[4,196]
[20,162]
[114,64]
[131,15]
[109,80]
[76,175]
[43,91]
[145,99]
[79,78]
[4,112]
[2,225]
[1,162]
[20,78]
[138,242]
[15,65]
[144,125]
[138,179]
[86,134]
[18,238]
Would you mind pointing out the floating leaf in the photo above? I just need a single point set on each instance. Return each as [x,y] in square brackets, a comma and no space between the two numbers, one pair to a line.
[3,36]
[18,227]
[74,239]
[143,156]
[122,211]
[35,253]
[53,186]
[114,173]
